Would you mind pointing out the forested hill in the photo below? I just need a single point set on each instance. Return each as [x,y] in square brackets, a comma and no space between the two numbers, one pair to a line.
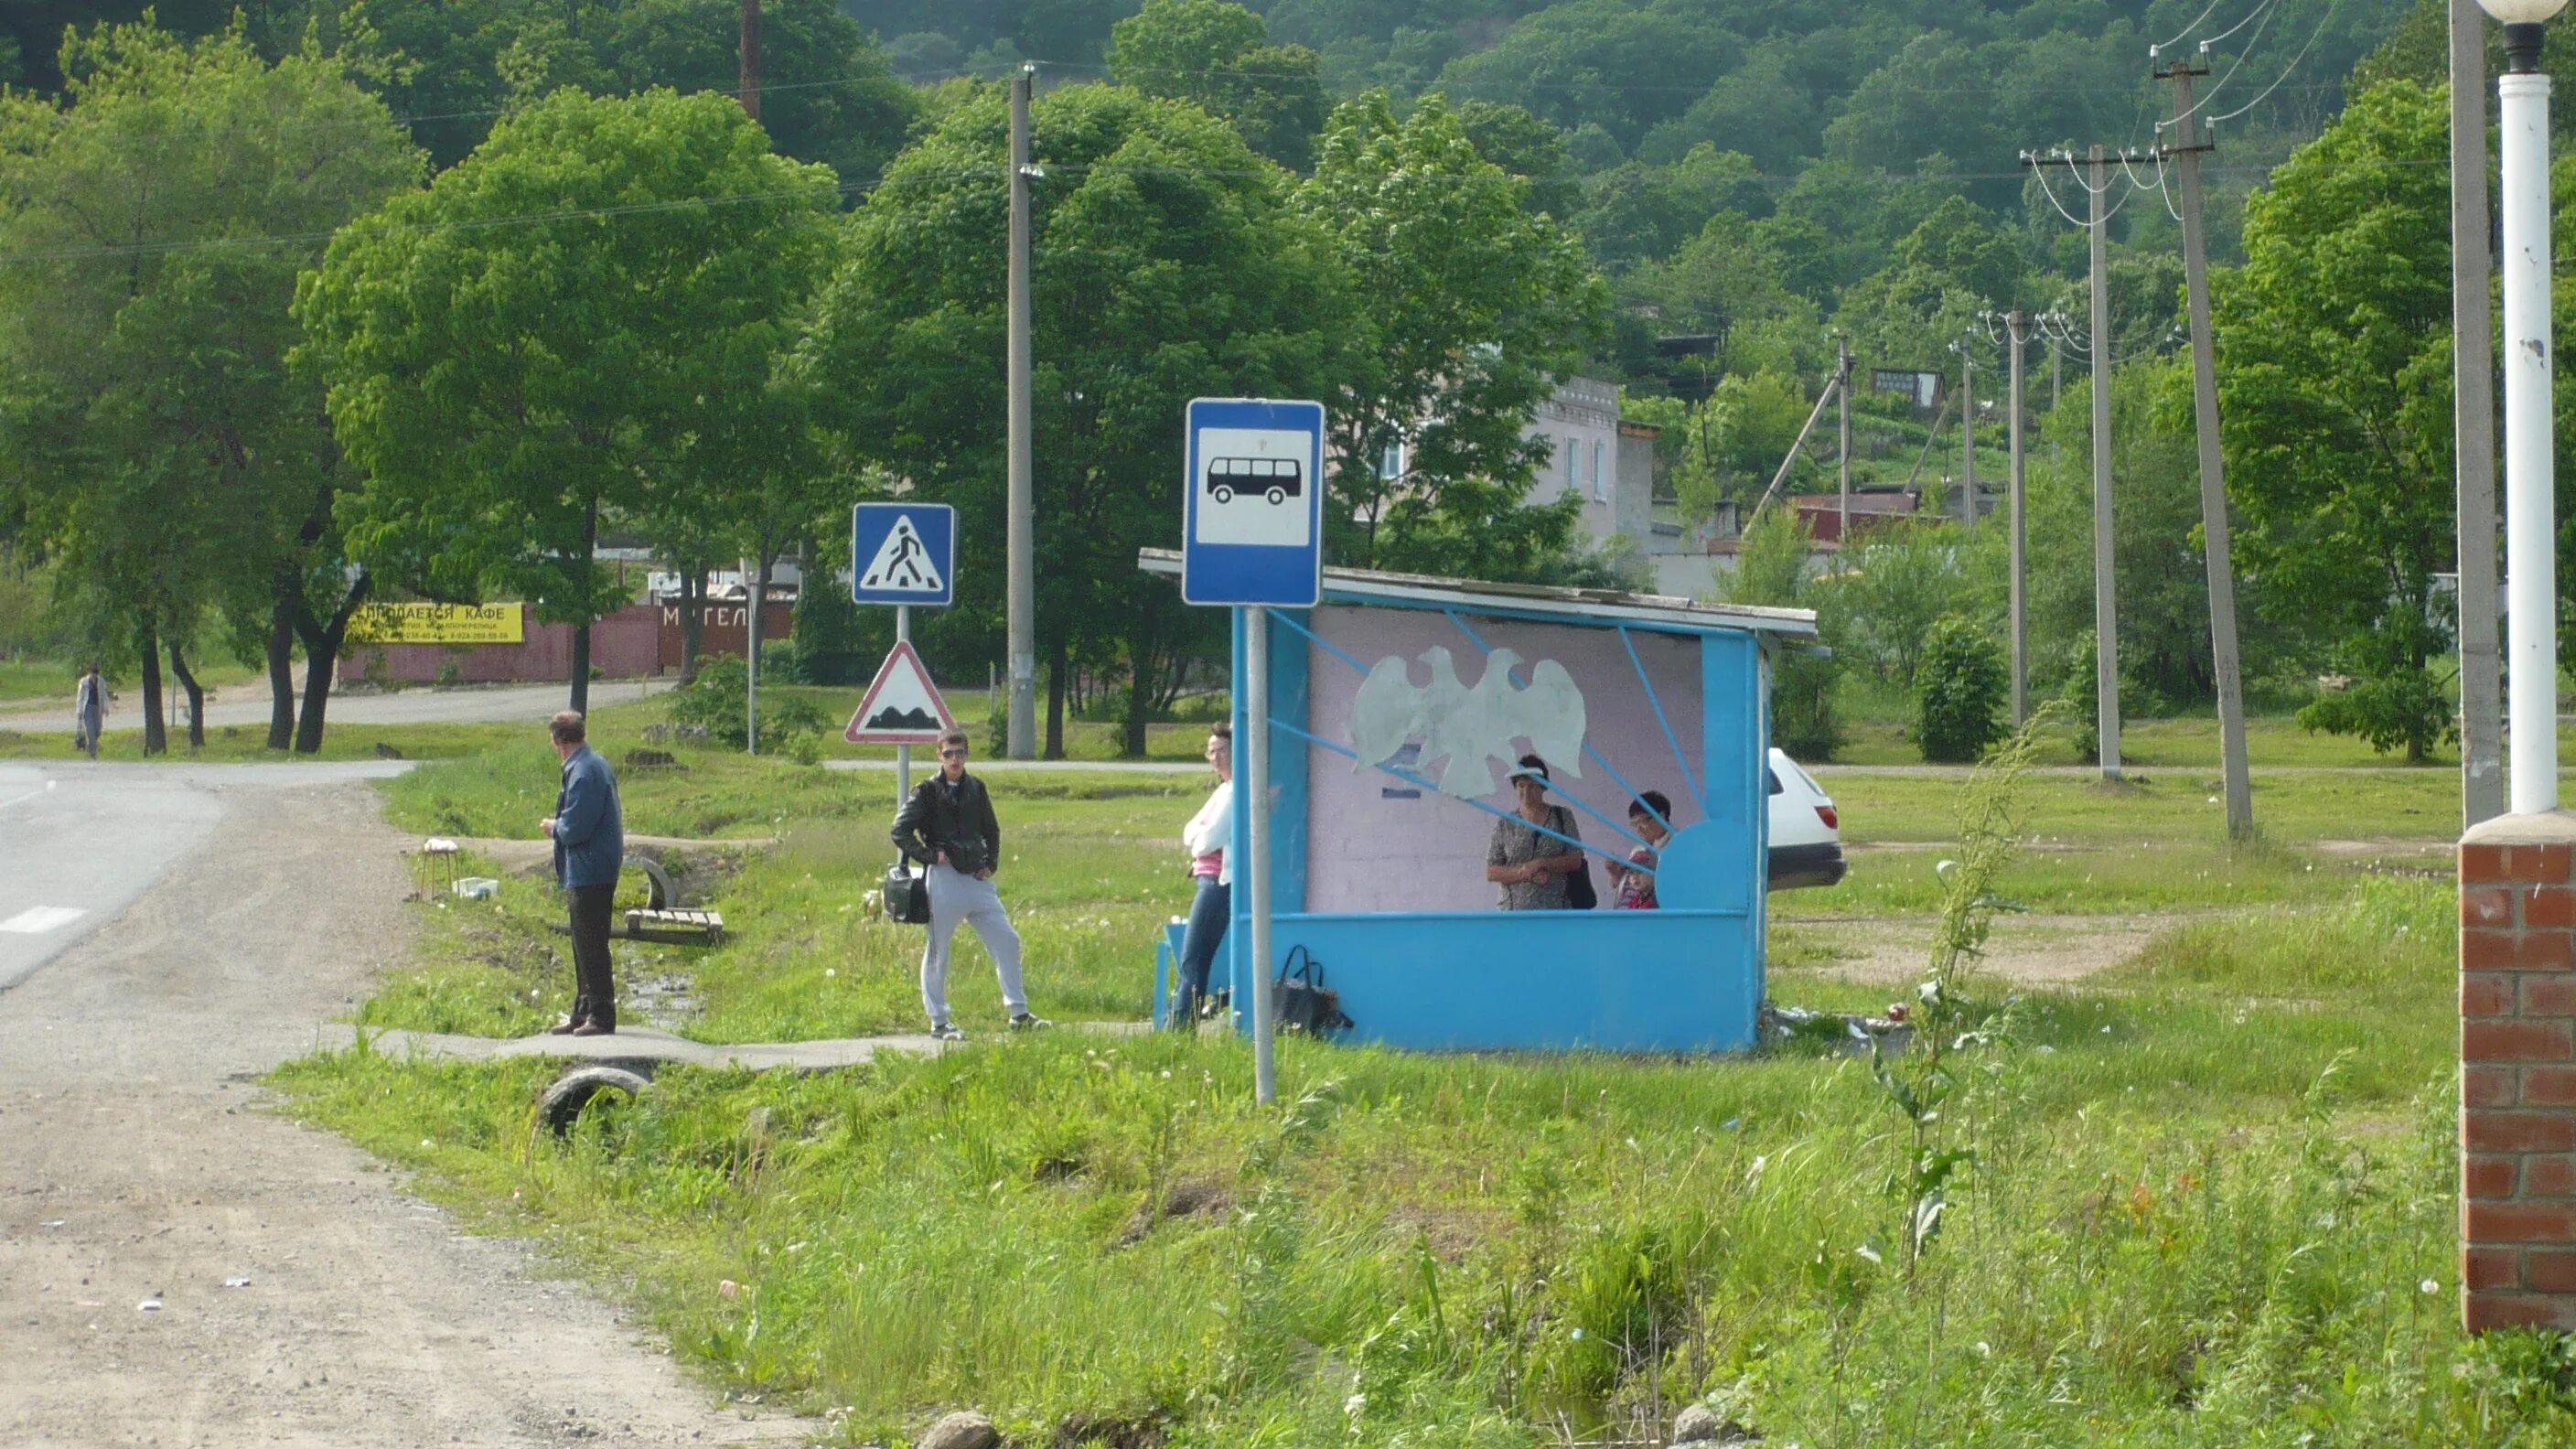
[1874,83]
[1766,168]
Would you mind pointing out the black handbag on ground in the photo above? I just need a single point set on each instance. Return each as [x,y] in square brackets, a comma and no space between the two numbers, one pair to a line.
[1304,1003]
[907,896]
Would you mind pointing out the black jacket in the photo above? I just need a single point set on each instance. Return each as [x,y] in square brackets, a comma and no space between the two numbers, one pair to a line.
[957,819]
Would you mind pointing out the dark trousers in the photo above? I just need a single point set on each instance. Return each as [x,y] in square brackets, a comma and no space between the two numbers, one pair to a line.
[594,994]
[1210,910]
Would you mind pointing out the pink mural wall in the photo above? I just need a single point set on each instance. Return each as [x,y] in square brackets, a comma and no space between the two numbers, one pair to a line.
[1377,843]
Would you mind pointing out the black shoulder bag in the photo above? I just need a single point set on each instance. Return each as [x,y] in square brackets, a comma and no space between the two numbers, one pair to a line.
[1579,894]
[1304,1002]
[907,896]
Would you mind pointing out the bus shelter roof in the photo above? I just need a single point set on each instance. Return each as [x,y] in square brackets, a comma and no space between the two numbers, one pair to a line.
[1599,608]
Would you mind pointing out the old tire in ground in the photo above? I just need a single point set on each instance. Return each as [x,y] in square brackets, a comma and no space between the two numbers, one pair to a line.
[561,1105]
[660,896]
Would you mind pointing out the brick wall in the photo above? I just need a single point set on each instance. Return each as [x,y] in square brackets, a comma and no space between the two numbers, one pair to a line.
[2518,1072]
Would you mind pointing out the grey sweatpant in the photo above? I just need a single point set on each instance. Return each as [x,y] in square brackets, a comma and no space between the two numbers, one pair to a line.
[956,897]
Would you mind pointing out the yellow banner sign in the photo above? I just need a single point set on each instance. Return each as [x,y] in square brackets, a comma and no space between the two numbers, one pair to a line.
[438,624]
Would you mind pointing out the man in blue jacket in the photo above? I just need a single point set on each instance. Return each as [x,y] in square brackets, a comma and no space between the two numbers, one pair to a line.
[589,832]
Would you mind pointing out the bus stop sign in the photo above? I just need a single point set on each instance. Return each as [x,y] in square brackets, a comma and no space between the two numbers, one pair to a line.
[1252,521]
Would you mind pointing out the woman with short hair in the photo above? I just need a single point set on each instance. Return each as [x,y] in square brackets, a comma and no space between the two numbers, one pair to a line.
[1529,855]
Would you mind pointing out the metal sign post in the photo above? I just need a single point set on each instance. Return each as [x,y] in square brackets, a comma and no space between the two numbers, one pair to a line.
[1252,527]
[1256,759]
[902,752]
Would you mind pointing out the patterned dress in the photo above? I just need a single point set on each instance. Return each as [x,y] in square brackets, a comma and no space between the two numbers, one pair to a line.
[1515,843]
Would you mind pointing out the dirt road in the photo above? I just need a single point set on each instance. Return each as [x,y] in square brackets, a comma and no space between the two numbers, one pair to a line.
[141,1165]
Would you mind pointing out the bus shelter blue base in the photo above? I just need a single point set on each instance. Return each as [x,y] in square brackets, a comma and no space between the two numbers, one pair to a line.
[1627,981]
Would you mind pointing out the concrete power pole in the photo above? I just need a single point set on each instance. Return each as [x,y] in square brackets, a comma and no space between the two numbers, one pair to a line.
[2106,614]
[1021,572]
[1967,434]
[1842,398]
[2482,779]
[2013,324]
[2185,151]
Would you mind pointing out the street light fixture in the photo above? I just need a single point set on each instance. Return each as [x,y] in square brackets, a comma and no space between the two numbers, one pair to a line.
[2531,568]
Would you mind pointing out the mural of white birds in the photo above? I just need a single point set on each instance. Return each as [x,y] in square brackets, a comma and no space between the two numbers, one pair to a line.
[1440,720]
[1551,714]
[1488,723]
[1468,728]
[1385,713]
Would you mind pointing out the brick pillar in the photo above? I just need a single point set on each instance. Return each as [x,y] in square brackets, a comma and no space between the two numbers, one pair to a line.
[2518,1072]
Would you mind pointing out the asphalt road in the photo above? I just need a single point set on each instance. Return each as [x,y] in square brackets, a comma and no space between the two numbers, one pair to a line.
[78,843]
[249,705]
[181,1264]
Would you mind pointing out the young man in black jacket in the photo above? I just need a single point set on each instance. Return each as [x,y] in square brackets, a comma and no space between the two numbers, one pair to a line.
[948,826]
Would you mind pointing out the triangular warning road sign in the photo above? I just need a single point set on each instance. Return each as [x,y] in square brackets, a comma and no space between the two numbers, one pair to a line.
[902,706]
[903,564]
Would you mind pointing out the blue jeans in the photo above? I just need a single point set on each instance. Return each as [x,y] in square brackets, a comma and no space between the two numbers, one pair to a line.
[1210,910]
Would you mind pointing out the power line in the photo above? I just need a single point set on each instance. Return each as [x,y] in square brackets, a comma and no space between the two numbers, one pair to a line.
[2285,73]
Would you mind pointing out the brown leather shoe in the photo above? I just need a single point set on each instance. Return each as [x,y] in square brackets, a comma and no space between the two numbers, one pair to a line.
[592,1028]
[565,1027]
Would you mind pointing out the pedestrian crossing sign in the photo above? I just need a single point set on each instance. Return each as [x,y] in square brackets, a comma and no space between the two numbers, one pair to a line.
[903,553]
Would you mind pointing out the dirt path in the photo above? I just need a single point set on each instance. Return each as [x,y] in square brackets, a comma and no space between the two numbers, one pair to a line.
[140,1164]
[2031,950]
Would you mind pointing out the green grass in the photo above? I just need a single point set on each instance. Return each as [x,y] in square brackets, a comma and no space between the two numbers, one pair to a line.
[2208,1198]
[2211,1185]
[34,681]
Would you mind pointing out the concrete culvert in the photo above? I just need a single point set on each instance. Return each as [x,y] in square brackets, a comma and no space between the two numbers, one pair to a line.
[561,1105]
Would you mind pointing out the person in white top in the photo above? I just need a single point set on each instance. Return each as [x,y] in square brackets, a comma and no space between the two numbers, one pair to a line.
[1205,838]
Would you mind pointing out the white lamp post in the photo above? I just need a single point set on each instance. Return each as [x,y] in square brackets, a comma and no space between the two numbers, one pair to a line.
[2531,569]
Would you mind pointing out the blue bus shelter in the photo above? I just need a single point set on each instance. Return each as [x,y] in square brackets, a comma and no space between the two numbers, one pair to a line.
[1398,704]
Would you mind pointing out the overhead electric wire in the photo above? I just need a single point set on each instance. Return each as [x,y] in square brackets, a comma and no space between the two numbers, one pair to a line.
[2266,11]
[2188,29]
[2284,75]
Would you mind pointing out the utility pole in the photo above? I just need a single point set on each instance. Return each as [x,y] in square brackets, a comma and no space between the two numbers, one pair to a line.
[2185,151]
[2106,611]
[2482,780]
[1842,398]
[1968,434]
[1021,571]
[751,57]
[2013,323]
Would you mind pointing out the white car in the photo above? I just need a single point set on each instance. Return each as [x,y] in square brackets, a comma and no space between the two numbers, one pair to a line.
[1806,834]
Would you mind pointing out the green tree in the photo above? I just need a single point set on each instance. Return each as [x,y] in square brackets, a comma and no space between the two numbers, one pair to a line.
[2334,370]
[174,461]
[1168,264]
[1773,568]
[584,310]
[1469,312]
[1218,55]
[1898,580]
[829,92]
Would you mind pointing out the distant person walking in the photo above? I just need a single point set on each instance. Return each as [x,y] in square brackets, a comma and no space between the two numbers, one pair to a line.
[589,832]
[1212,903]
[949,827]
[89,712]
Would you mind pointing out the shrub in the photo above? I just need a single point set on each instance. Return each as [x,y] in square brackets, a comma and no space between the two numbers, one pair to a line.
[1959,691]
[716,701]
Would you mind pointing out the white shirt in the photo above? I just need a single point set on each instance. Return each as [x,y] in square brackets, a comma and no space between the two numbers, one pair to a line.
[1209,831]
